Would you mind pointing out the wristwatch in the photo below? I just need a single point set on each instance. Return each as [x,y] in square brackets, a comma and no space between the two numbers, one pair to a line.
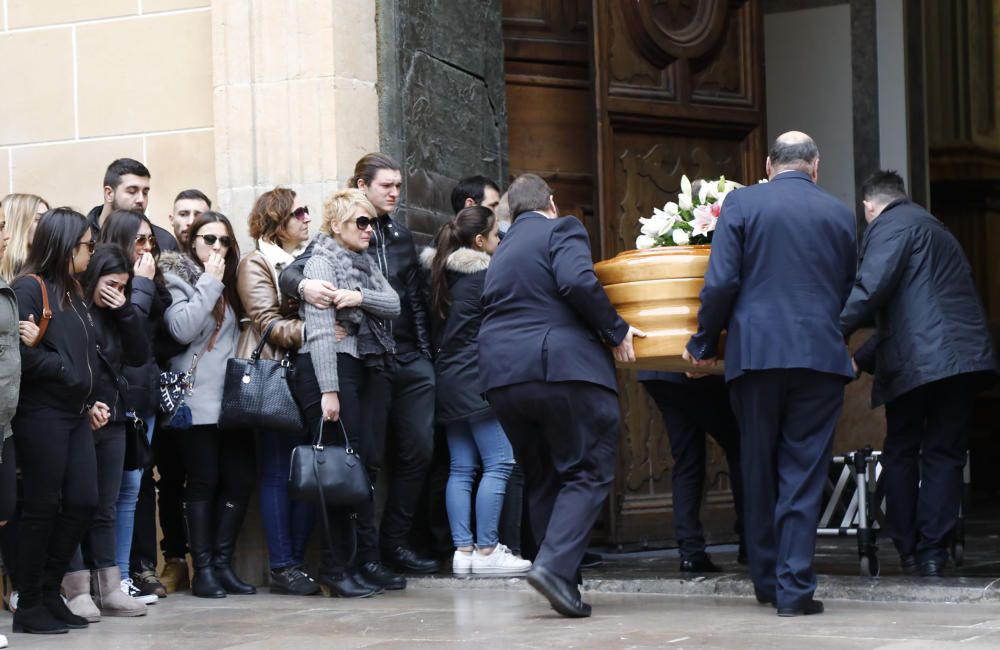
[301,289]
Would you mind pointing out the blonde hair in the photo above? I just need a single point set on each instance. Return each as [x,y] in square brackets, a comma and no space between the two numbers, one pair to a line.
[341,205]
[20,211]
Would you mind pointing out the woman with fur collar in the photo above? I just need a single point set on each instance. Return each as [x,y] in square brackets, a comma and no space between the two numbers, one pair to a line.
[458,268]
[279,223]
[332,373]
[204,315]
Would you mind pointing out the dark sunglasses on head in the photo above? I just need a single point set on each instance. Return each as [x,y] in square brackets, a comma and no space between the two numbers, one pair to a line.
[89,244]
[142,239]
[301,213]
[364,223]
[211,239]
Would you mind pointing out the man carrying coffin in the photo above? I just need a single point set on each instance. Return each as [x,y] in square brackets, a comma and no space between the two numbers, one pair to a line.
[545,364]
[782,265]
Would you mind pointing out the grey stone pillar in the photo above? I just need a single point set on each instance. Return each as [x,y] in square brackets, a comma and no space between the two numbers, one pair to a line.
[441,100]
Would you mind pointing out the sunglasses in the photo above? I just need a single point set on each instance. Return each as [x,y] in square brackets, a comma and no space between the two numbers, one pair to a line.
[301,213]
[89,244]
[211,239]
[364,223]
[142,239]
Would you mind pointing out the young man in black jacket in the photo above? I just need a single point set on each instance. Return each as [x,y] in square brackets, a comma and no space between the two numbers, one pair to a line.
[126,187]
[402,402]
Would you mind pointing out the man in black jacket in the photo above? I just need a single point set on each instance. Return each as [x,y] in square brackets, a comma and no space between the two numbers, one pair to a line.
[931,351]
[402,402]
[126,187]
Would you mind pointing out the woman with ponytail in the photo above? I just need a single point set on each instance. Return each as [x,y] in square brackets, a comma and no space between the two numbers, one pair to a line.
[458,266]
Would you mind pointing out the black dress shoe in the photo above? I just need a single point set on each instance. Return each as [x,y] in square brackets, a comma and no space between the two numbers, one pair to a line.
[700,564]
[591,560]
[932,569]
[378,574]
[908,563]
[562,595]
[342,585]
[405,560]
[812,607]
[359,577]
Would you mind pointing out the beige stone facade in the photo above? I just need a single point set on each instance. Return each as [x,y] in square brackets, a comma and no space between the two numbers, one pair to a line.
[229,96]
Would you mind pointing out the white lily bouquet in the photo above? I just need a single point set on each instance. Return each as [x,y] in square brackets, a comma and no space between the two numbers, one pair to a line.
[691,220]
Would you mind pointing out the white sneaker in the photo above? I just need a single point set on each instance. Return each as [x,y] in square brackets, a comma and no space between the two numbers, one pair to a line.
[500,562]
[461,563]
[130,589]
[3,641]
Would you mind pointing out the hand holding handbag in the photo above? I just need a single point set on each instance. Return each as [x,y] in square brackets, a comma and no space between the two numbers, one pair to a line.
[333,476]
[257,394]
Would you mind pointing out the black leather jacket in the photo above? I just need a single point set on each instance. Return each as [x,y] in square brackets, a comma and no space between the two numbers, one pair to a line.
[393,248]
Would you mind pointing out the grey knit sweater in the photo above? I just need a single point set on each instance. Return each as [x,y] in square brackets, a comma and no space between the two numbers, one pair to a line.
[344,269]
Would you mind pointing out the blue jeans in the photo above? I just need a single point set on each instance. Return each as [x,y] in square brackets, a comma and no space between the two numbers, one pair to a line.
[128,496]
[287,522]
[468,442]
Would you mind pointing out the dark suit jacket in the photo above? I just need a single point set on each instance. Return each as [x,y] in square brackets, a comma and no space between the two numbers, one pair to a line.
[783,261]
[545,315]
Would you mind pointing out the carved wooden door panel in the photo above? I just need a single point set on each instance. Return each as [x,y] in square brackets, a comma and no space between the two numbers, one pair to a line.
[679,90]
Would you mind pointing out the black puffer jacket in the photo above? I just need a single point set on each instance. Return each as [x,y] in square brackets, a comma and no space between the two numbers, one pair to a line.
[393,248]
[915,285]
[121,341]
[149,302]
[456,338]
[62,371]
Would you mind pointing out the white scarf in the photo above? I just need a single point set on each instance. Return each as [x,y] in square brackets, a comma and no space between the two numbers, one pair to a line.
[277,258]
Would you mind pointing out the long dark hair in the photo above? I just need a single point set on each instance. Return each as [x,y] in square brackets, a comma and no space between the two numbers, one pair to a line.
[107,259]
[54,245]
[230,293]
[458,233]
[121,228]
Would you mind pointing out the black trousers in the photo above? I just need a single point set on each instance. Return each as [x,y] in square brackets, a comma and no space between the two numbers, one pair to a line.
[402,409]
[164,496]
[219,463]
[8,480]
[565,435]
[690,410]
[59,482]
[787,419]
[355,380]
[98,548]
[925,450]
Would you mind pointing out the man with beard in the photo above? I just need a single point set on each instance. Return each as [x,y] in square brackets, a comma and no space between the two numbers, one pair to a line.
[126,187]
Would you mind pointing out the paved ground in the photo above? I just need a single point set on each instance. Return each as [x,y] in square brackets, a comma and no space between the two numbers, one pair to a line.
[483,618]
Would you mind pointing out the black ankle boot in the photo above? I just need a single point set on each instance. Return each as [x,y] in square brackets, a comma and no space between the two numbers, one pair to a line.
[37,620]
[230,519]
[342,585]
[198,515]
[57,607]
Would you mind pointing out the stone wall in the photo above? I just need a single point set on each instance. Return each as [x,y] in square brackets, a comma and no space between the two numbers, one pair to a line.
[441,99]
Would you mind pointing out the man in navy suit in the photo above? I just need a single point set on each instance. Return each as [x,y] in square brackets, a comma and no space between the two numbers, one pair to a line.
[783,262]
[546,366]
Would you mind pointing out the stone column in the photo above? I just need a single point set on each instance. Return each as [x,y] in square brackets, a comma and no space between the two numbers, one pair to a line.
[295,98]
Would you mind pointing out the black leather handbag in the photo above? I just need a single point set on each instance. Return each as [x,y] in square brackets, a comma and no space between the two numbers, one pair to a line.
[257,393]
[333,476]
[138,452]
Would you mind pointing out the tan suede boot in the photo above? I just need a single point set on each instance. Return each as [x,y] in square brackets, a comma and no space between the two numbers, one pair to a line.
[76,588]
[176,575]
[109,596]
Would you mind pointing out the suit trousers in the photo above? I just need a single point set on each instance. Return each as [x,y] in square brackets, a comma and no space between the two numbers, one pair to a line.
[565,434]
[925,445]
[787,418]
[690,411]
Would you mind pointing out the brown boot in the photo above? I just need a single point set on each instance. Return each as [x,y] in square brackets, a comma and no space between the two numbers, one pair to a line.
[76,588]
[175,575]
[109,596]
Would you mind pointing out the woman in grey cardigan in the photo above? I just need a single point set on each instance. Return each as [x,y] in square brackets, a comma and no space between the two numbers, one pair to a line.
[204,315]
[332,375]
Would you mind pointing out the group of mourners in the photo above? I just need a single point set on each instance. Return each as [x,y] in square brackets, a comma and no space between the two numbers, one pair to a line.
[96,308]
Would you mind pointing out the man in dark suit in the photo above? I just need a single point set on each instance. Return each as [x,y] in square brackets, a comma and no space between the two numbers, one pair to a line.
[783,262]
[546,366]
[931,351]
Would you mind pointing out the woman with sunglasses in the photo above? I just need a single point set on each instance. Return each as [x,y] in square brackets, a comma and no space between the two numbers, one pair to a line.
[279,223]
[120,341]
[149,298]
[53,424]
[332,372]
[22,213]
[204,316]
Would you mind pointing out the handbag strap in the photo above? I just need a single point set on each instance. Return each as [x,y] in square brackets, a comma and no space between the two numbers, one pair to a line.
[263,341]
[208,348]
[318,443]
[46,311]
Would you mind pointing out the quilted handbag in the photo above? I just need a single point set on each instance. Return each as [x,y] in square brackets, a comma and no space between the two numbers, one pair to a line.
[333,476]
[257,393]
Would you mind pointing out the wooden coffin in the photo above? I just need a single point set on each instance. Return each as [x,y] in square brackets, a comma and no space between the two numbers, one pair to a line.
[656,290]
